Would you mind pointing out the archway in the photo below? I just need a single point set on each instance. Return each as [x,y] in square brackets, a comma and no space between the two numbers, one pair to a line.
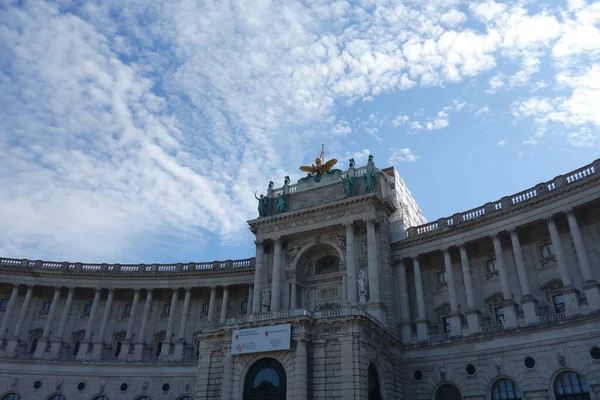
[570,385]
[373,384]
[448,392]
[266,380]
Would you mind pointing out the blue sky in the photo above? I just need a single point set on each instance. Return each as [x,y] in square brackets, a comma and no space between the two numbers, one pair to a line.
[138,131]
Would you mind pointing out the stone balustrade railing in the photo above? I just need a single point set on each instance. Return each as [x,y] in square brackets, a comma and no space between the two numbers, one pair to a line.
[38,265]
[508,201]
[107,359]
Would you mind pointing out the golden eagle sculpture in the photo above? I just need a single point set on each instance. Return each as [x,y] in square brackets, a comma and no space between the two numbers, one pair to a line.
[319,168]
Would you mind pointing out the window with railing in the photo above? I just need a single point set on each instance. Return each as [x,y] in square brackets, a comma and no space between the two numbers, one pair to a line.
[3,304]
[127,310]
[559,304]
[244,306]
[87,309]
[499,314]
[205,308]
[46,306]
[546,251]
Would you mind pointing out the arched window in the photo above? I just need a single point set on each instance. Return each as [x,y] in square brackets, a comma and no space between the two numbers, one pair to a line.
[143,398]
[101,397]
[266,379]
[11,396]
[506,389]
[185,398]
[570,385]
[57,397]
[448,392]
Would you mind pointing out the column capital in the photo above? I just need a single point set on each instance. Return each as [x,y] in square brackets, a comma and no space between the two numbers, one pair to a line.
[495,236]
[415,259]
[213,287]
[136,290]
[569,212]
[513,231]
[549,219]
[16,285]
[349,225]
[370,222]
[259,243]
[225,287]
[188,289]
[149,290]
[446,249]
[30,286]
[111,290]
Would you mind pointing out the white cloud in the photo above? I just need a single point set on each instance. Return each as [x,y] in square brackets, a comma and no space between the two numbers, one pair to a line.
[503,142]
[402,155]
[585,137]
[453,18]
[341,129]
[400,120]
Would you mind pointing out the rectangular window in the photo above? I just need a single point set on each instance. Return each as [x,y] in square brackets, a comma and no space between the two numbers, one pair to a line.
[447,325]
[46,306]
[127,309]
[546,250]
[87,309]
[205,308]
[490,265]
[499,311]
[559,304]
[167,309]
[441,277]
[3,304]
[244,306]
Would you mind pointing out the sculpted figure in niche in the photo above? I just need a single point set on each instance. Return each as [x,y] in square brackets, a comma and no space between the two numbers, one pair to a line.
[362,282]
[266,300]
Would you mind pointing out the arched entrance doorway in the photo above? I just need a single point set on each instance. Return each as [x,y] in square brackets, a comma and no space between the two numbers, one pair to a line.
[448,392]
[374,388]
[266,380]
[570,385]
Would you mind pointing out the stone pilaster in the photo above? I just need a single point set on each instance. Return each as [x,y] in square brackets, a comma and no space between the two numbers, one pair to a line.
[528,302]
[250,300]
[351,269]
[293,301]
[406,332]
[510,316]
[43,341]
[11,347]
[300,371]
[126,346]
[57,342]
[590,285]
[455,317]
[277,276]
[226,386]
[258,275]
[373,264]
[165,350]
[422,328]
[85,344]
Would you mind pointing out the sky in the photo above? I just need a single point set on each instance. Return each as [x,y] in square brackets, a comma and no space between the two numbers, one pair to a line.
[137,131]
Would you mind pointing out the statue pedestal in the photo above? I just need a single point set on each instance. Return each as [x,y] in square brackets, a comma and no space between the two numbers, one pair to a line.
[362,298]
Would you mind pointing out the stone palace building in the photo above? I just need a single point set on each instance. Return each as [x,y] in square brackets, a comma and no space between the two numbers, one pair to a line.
[351,295]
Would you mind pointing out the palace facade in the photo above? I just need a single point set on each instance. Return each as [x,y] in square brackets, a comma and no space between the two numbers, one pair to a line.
[351,295]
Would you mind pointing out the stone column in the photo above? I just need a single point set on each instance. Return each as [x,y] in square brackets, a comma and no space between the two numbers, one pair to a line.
[300,371]
[404,304]
[57,342]
[224,304]
[568,291]
[212,304]
[8,312]
[277,276]
[165,350]
[250,298]
[422,329]
[473,314]
[99,342]
[351,265]
[455,317]
[43,341]
[373,265]
[293,302]
[138,351]
[510,315]
[528,302]
[344,289]
[126,345]
[590,285]
[178,353]
[11,347]
[226,386]
[258,273]
[85,344]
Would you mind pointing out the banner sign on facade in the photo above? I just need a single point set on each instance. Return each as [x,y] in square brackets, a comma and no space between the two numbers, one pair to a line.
[257,340]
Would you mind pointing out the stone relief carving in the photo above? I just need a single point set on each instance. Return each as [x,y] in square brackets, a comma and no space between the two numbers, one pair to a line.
[326,265]
[292,251]
[328,292]
[266,300]
[339,240]
[306,269]
[327,306]
[363,247]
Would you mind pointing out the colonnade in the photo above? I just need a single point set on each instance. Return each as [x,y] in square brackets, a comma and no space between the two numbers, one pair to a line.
[528,301]
[93,343]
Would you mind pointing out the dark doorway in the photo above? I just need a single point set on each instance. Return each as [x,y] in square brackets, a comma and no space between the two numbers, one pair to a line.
[448,392]
[374,389]
[266,380]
